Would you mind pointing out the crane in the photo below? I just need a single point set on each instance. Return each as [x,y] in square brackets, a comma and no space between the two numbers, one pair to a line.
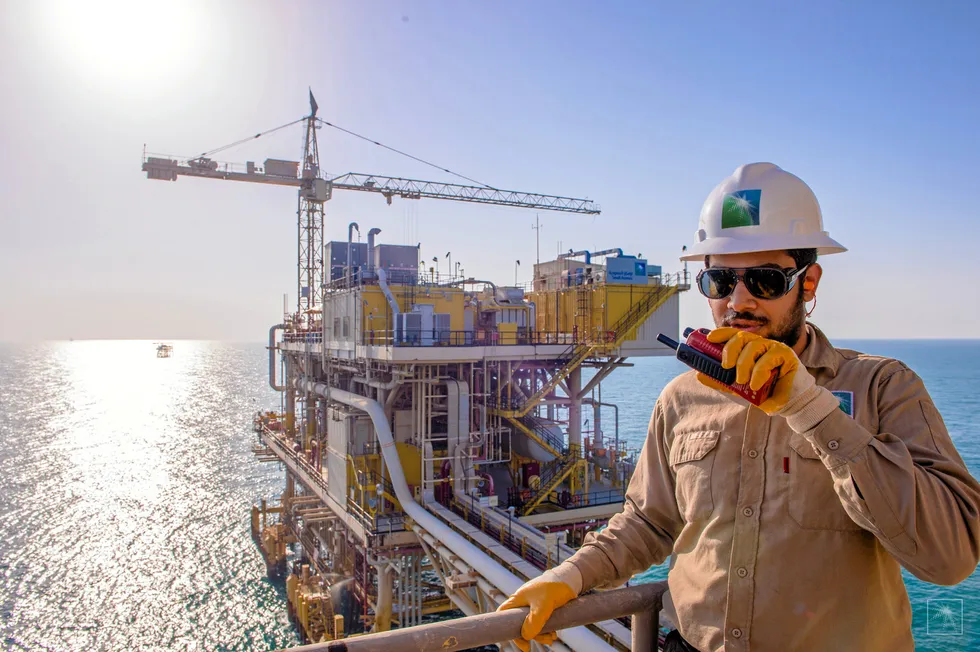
[314,190]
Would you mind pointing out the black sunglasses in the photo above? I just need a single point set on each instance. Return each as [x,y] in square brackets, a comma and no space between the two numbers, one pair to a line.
[761,282]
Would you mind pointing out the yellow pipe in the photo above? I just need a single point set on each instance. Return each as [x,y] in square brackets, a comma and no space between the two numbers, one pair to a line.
[291,583]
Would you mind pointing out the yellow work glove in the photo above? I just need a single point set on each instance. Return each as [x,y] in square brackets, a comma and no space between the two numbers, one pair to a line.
[543,595]
[754,357]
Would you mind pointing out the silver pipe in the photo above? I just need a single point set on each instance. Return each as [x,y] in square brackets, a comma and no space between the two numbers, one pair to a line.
[472,280]
[418,590]
[407,593]
[272,358]
[350,240]
[391,384]
[401,592]
[370,252]
[615,465]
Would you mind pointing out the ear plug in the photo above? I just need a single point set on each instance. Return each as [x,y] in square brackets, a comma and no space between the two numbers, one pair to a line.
[809,286]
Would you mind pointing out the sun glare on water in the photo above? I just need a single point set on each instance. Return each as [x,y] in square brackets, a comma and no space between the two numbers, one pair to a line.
[123,402]
[123,44]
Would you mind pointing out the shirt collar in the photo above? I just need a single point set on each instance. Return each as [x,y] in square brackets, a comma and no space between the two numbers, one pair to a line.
[819,352]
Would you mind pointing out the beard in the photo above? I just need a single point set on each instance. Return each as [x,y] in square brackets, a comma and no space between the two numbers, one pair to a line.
[788,331]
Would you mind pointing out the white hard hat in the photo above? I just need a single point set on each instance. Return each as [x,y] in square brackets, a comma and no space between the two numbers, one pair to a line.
[760,207]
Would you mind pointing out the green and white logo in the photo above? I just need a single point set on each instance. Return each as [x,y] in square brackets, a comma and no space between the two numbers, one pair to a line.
[741,208]
[846,401]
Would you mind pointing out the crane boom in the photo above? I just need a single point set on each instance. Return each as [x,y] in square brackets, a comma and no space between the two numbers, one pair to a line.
[414,189]
[170,168]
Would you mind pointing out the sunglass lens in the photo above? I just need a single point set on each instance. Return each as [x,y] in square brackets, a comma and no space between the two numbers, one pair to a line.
[765,283]
[718,283]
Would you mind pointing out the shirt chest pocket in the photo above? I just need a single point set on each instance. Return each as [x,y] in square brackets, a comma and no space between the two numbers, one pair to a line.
[691,458]
[813,503]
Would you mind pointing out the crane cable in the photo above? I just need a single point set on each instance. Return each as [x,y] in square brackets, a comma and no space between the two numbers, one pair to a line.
[346,131]
[245,140]
[396,151]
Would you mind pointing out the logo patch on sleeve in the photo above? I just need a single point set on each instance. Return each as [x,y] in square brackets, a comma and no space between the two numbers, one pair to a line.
[846,401]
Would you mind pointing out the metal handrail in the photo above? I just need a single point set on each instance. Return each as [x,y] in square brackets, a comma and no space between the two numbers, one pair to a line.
[591,499]
[643,602]
[632,316]
[315,336]
[523,336]
[367,520]
[539,427]
[514,544]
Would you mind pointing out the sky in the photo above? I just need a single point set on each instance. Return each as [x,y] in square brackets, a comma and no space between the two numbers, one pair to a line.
[643,107]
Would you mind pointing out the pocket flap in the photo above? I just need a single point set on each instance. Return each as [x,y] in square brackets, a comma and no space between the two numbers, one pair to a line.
[802,447]
[690,446]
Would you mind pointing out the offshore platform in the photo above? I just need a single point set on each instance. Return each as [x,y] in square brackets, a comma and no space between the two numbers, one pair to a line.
[444,439]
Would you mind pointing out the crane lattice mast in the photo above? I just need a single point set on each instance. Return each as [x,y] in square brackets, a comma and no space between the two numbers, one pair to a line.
[310,223]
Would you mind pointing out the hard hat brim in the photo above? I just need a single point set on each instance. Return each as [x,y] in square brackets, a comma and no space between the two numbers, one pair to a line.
[823,243]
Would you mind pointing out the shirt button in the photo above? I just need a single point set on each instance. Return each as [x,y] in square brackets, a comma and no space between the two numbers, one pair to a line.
[833,444]
[753,454]
[747,511]
[742,572]
[736,632]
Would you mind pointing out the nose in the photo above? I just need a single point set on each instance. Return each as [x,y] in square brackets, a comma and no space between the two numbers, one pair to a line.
[741,300]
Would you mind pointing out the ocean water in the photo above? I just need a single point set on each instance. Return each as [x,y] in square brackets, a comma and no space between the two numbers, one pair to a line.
[126,483]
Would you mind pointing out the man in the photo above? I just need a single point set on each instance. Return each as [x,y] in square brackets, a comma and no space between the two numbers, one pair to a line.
[787,524]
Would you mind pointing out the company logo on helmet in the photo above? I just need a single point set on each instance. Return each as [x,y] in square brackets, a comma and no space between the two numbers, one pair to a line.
[741,208]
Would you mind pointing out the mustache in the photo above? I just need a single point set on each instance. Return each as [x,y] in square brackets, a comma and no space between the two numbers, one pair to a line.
[732,316]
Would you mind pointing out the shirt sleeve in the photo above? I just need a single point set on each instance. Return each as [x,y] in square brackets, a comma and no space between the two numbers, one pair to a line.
[906,484]
[643,533]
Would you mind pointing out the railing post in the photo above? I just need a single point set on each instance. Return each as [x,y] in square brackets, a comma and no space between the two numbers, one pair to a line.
[645,630]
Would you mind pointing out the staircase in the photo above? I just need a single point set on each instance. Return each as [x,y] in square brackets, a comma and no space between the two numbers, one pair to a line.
[637,314]
[537,430]
[578,354]
[552,478]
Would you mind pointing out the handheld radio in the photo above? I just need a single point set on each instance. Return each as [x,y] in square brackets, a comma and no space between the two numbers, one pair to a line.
[704,356]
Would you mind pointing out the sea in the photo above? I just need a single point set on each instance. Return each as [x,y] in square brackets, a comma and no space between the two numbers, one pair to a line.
[126,482]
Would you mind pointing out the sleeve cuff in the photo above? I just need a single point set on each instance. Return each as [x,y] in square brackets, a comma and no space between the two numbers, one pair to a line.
[839,437]
[808,409]
[567,573]
[593,567]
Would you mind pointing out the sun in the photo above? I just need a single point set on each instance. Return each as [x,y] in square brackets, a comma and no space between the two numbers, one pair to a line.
[131,45]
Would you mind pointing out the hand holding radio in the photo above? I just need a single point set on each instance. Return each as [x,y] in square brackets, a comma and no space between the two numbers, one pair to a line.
[755,360]
[764,372]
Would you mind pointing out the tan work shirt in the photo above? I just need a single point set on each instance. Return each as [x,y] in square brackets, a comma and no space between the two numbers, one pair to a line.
[793,541]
